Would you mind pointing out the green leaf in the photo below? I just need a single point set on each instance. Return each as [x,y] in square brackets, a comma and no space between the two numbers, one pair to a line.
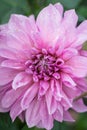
[7,124]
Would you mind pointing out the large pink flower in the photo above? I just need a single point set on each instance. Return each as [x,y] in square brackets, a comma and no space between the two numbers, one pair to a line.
[42,66]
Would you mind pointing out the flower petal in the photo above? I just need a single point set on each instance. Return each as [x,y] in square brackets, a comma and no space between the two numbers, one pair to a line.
[67,117]
[59,7]
[79,106]
[79,66]
[7,75]
[12,64]
[15,109]
[29,96]
[51,102]
[10,97]
[43,87]
[81,34]
[58,115]
[70,19]
[32,113]
[68,81]
[47,120]
[47,25]
[20,80]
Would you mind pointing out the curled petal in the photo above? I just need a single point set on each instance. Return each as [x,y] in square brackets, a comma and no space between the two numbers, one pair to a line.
[20,80]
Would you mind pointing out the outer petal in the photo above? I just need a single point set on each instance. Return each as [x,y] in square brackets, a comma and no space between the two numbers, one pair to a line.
[58,115]
[29,96]
[81,34]
[13,54]
[13,64]
[70,19]
[81,84]
[7,75]
[17,33]
[67,116]
[15,109]
[48,22]
[47,120]
[79,66]
[32,113]
[11,96]
[79,106]
[59,7]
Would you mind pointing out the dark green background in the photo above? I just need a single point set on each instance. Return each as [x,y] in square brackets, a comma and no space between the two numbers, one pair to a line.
[27,7]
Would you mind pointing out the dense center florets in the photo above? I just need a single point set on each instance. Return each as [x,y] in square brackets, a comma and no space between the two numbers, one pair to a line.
[44,65]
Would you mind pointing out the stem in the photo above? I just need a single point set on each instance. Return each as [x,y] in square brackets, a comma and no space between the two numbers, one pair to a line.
[81,96]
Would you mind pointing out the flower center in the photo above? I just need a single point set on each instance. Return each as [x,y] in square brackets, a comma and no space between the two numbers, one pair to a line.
[44,66]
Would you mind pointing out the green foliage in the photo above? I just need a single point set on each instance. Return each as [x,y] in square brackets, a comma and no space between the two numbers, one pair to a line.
[6,123]
[67,3]
[8,7]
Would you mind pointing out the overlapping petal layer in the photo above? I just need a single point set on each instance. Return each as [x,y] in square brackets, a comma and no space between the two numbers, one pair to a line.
[43,66]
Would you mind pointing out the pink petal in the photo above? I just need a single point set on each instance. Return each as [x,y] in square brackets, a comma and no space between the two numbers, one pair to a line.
[79,106]
[47,25]
[21,116]
[70,19]
[29,96]
[67,103]
[40,125]
[67,116]
[15,109]
[10,97]
[68,81]
[79,65]
[2,93]
[8,53]
[18,40]
[81,34]
[67,91]
[7,75]
[69,53]
[58,115]
[20,80]
[47,120]
[81,84]
[32,113]
[51,102]
[57,91]
[59,7]
[18,34]
[12,64]
[43,87]
[13,54]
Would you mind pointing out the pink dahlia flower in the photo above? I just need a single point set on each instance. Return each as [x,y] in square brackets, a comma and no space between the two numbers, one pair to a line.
[43,66]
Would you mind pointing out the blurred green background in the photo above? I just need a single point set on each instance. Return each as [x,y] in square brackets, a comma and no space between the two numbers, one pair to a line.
[27,7]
